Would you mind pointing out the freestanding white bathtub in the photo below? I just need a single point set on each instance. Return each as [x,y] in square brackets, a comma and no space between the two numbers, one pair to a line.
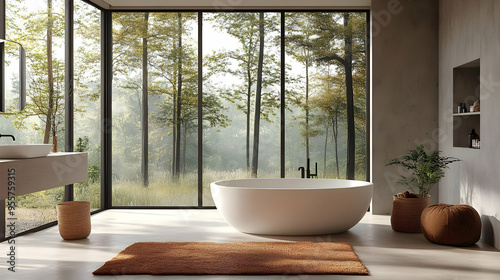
[292,206]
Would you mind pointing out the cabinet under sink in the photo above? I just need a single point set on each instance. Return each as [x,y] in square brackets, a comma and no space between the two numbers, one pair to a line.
[42,173]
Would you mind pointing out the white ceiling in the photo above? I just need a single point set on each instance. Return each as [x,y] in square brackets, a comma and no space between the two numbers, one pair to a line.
[231,4]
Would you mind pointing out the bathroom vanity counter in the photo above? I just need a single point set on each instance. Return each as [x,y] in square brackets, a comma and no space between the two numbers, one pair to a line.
[38,174]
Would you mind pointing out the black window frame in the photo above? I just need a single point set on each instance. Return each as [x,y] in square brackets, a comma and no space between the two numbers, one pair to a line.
[107,184]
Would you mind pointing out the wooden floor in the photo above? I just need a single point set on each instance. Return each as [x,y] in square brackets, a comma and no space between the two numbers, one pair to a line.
[386,254]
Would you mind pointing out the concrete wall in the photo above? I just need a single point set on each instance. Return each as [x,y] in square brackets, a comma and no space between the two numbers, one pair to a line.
[470,29]
[404,88]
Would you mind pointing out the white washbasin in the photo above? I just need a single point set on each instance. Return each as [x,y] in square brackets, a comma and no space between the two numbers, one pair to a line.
[25,150]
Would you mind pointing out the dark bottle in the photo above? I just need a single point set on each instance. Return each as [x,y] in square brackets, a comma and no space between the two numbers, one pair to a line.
[463,108]
[473,139]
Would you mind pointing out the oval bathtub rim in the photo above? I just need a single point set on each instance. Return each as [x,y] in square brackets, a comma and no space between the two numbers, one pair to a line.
[360,184]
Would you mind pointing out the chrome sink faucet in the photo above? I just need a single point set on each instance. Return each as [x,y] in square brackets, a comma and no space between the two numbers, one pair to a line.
[8,135]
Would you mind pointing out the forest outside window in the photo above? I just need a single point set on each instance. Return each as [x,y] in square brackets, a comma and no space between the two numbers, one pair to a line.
[176,129]
[155,99]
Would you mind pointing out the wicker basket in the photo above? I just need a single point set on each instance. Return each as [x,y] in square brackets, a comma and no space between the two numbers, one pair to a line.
[74,219]
[406,213]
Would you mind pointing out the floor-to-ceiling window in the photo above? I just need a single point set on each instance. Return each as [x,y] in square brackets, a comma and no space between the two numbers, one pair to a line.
[156,109]
[87,105]
[253,64]
[241,96]
[40,26]
[326,55]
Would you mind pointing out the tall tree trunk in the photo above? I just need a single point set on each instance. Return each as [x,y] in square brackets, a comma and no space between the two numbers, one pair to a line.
[325,149]
[307,109]
[258,94]
[145,107]
[346,61]
[249,100]
[174,121]
[174,133]
[179,97]
[54,138]
[335,129]
[184,146]
[50,76]
[350,99]
[174,113]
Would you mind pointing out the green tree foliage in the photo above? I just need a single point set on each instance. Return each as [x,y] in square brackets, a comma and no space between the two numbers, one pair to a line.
[300,32]
[87,55]
[41,32]
[341,41]
[329,102]
[172,66]
[333,43]
[250,30]
[40,29]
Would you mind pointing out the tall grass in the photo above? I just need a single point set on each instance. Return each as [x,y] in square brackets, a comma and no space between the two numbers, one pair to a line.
[89,191]
[162,190]
[165,191]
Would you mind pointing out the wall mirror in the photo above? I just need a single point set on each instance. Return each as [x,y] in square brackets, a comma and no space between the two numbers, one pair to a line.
[13,76]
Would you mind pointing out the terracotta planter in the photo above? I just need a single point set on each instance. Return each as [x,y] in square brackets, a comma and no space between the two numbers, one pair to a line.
[406,213]
[74,219]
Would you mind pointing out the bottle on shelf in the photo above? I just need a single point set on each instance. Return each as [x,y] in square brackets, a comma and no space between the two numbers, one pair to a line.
[461,108]
[473,139]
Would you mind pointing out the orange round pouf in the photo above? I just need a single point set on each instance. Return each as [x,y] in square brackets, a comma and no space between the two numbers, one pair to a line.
[456,225]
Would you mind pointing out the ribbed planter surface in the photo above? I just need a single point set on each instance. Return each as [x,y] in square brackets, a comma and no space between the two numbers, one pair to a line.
[406,213]
[74,219]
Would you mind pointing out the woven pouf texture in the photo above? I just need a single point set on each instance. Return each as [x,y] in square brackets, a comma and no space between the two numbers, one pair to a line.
[456,225]
[74,219]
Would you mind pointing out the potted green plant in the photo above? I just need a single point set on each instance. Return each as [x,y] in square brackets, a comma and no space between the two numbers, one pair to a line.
[426,169]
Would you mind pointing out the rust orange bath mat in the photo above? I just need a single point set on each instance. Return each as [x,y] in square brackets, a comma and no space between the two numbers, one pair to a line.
[239,258]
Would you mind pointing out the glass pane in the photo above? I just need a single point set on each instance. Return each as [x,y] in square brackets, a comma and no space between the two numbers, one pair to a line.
[36,25]
[325,54]
[87,83]
[161,52]
[240,141]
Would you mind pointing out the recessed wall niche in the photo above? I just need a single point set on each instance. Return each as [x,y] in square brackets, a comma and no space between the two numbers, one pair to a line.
[466,85]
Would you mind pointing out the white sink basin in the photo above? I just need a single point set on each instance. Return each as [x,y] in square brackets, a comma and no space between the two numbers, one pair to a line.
[25,150]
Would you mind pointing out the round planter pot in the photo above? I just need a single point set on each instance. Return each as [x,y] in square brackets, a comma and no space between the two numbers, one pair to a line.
[406,213]
[74,219]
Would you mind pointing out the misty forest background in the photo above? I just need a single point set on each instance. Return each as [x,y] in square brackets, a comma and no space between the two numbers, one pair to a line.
[155,97]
